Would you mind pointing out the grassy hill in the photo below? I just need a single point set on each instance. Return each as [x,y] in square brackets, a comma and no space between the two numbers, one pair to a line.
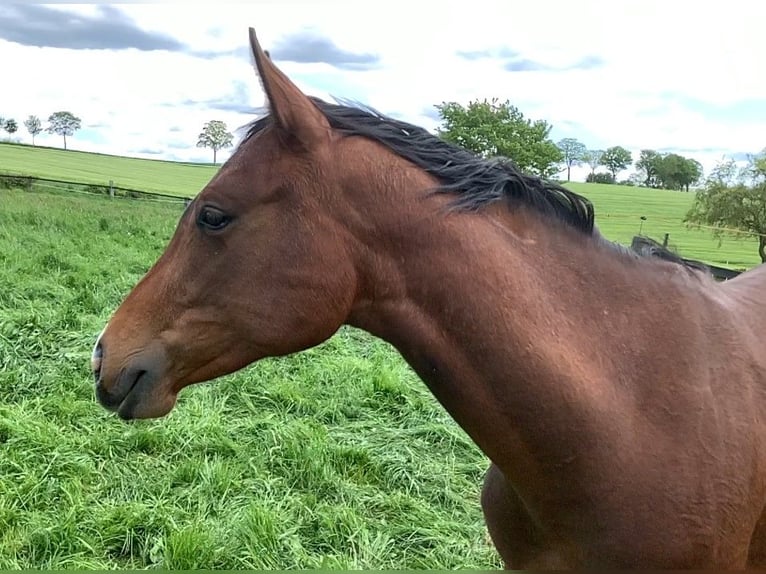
[618,208]
[618,212]
[174,178]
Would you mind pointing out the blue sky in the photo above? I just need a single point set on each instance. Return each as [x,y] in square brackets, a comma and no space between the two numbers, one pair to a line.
[677,76]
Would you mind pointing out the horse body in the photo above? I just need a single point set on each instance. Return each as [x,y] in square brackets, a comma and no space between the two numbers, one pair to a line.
[602,416]
[619,398]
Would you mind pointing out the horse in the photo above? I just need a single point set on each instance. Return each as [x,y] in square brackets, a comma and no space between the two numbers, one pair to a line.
[619,398]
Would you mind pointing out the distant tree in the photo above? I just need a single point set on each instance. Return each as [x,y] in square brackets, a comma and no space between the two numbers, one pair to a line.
[731,206]
[690,173]
[673,171]
[756,168]
[725,172]
[616,159]
[647,165]
[668,171]
[493,128]
[34,126]
[215,136]
[599,177]
[63,124]
[573,152]
[635,179]
[593,158]
[11,126]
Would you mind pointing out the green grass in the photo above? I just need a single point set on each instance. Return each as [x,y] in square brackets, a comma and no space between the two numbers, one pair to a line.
[618,209]
[174,178]
[334,458]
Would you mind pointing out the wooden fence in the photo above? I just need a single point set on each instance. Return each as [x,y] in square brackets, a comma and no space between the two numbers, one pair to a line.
[30,183]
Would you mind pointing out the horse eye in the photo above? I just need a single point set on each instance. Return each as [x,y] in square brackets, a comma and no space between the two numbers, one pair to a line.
[212,218]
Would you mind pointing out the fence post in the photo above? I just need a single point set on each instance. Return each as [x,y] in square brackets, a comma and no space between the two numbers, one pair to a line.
[111,189]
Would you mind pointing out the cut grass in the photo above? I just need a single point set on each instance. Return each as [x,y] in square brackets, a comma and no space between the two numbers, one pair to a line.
[619,208]
[174,178]
[334,458]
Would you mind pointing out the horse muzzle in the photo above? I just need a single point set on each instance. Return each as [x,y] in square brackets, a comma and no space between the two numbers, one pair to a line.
[135,389]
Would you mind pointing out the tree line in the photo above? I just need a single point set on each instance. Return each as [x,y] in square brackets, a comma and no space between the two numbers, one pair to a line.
[60,123]
[214,135]
[495,128]
[488,128]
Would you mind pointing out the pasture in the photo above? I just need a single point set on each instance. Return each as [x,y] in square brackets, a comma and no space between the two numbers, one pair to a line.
[618,209]
[335,458]
[175,178]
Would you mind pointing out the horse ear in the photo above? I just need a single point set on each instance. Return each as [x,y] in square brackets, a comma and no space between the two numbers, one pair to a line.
[295,114]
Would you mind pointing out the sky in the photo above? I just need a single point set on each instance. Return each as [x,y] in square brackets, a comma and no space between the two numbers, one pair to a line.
[675,76]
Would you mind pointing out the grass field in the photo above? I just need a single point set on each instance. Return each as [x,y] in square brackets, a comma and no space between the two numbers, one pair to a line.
[175,178]
[336,458]
[619,208]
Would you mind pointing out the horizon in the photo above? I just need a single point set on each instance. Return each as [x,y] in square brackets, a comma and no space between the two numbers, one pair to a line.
[166,80]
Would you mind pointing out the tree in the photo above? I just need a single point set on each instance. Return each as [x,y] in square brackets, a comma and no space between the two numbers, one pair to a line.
[672,171]
[34,126]
[724,173]
[678,172]
[669,171]
[599,177]
[215,136]
[615,159]
[492,128]
[593,158]
[756,168]
[573,152]
[11,126]
[731,206]
[63,124]
[647,164]
[692,173]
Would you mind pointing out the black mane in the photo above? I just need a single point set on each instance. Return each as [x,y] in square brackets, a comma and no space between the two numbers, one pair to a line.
[476,181]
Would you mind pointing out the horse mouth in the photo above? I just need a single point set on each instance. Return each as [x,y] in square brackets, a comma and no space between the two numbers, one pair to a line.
[115,399]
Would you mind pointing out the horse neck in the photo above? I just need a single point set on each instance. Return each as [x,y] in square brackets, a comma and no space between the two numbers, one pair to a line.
[484,311]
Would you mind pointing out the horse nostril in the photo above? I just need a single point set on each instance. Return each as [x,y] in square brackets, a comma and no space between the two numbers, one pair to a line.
[95,360]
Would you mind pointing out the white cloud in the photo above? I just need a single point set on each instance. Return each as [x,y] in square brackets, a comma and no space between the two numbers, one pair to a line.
[711,53]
